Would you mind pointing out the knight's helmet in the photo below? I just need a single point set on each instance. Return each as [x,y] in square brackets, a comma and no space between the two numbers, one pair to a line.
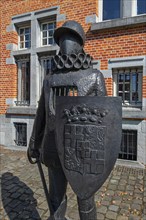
[77,59]
[72,27]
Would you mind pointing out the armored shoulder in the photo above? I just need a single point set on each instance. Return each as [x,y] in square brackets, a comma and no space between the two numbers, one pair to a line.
[100,83]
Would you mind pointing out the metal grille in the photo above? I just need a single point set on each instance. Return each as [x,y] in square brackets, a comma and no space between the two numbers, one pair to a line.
[21,134]
[128,85]
[128,149]
[64,91]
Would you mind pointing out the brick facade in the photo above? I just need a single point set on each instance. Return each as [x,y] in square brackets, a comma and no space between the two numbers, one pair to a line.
[103,45]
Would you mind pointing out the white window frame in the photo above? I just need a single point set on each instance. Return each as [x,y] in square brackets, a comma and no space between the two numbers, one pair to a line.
[43,64]
[19,35]
[20,99]
[48,22]
[130,103]
[132,7]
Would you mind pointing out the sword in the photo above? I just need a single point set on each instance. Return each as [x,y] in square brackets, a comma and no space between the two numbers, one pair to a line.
[43,180]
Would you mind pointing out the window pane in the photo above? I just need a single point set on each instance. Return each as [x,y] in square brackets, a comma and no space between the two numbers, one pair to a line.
[127,96]
[135,87]
[135,96]
[21,134]
[121,77]
[127,87]
[121,87]
[111,9]
[127,77]
[50,26]
[27,44]
[134,82]
[47,33]
[44,34]
[50,40]
[22,38]
[22,45]
[128,148]
[27,37]
[44,41]
[51,33]
[27,30]
[141,6]
[25,81]
[22,31]
[44,27]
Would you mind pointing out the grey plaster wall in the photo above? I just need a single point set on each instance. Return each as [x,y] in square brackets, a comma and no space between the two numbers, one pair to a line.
[140,127]
[8,132]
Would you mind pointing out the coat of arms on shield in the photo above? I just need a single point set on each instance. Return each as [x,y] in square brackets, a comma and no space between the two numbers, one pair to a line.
[88,136]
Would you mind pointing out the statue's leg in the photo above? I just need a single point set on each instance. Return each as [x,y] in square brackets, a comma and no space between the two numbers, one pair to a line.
[57,192]
[87,209]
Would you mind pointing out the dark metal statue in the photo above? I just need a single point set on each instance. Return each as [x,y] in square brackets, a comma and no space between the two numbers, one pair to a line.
[77,129]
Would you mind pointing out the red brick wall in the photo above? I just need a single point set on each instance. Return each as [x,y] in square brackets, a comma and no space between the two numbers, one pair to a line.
[144,87]
[119,42]
[102,45]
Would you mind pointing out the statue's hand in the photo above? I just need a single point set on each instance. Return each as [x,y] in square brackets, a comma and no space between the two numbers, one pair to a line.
[32,151]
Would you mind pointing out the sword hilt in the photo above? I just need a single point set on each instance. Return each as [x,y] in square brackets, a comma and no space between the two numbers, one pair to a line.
[31,159]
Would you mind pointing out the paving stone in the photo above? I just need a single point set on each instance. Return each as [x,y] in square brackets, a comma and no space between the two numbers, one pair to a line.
[121,197]
[110,192]
[135,207]
[129,188]
[133,217]
[121,187]
[131,182]
[100,216]
[105,203]
[113,208]
[111,215]
[112,187]
[124,212]
[121,217]
[116,202]
[102,209]
[138,201]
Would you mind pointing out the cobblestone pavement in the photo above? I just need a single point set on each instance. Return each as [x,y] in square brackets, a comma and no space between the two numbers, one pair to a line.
[122,197]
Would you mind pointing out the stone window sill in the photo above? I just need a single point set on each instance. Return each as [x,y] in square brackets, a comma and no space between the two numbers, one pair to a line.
[50,49]
[21,110]
[122,22]
[133,113]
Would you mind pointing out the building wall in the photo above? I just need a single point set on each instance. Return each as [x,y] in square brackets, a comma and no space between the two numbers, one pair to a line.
[111,46]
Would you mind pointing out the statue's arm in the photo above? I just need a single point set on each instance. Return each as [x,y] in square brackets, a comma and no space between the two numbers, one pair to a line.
[38,128]
[100,85]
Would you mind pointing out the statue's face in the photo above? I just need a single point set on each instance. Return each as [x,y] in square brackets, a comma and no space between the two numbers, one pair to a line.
[70,44]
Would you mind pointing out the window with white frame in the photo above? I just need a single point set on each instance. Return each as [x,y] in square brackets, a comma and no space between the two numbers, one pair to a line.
[111,9]
[141,6]
[21,134]
[128,149]
[128,85]
[24,37]
[46,64]
[114,9]
[23,83]
[47,31]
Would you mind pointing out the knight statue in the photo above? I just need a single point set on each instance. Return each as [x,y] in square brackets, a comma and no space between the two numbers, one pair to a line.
[65,91]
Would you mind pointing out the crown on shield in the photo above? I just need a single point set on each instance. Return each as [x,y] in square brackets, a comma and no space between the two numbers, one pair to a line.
[85,114]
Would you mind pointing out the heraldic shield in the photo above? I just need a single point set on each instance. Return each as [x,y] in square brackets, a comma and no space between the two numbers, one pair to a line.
[88,138]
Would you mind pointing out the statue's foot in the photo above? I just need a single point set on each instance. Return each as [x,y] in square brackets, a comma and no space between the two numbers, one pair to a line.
[59,214]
